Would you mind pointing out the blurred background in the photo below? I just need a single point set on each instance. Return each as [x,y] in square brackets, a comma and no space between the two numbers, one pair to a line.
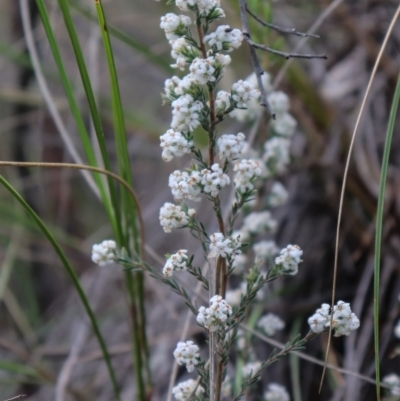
[47,348]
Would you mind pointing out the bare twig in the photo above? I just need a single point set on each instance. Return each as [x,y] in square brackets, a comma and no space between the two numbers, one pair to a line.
[280,29]
[256,63]
[284,54]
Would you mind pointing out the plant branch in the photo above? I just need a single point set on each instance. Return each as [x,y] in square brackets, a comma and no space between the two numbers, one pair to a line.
[283,54]
[278,28]
[256,63]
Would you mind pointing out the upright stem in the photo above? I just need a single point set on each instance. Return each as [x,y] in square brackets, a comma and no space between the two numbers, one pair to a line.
[220,271]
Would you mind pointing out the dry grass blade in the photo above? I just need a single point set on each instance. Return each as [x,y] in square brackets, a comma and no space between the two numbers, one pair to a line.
[15,398]
[346,170]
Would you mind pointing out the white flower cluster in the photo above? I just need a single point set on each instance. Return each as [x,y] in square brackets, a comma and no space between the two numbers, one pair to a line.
[221,246]
[393,381]
[258,222]
[264,250]
[250,369]
[343,319]
[276,392]
[183,53]
[224,38]
[185,185]
[187,353]
[205,7]
[284,124]
[218,312]
[230,146]
[173,144]
[270,324]
[182,391]
[276,155]
[253,107]
[104,253]
[174,25]
[172,216]
[278,195]
[243,92]
[185,113]
[289,259]
[177,261]
[213,180]
[246,171]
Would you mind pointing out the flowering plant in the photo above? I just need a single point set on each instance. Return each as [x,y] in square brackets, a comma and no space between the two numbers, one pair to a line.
[198,104]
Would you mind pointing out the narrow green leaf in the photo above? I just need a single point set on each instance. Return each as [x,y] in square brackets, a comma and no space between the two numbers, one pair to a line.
[379,223]
[74,278]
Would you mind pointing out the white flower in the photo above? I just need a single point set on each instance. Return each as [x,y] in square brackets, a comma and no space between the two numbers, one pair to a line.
[230,146]
[397,330]
[216,314]
[258,222]
[174,144]
[174,25]
[104,253]
[185,113]
[177,261]
[250,369]
[224,247]
[284,124]
[393,381]
[253,107]
[187,353]
[213,180]
[320,319]
[183,390]
[265,250]
[278,195]
[224,38]
[222,60]
[243,92]
[279,102]
[276,392]
[172,216]
[222,101]
[289,259]
[182,52]
[185,185]
[343,319]
[276,154]
[202,70]
[205,7]
[246,172]
[170,86]
[270,324]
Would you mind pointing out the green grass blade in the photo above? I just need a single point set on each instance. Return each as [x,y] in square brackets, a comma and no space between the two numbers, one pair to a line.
[116,220]
[85,139]
[135,285]
[378,232]
[74,278]
[159,61]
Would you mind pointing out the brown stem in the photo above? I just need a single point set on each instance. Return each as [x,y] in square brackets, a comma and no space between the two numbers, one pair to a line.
[221,276]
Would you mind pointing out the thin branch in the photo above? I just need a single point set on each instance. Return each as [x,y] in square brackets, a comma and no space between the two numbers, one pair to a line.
[280,29]
[283,54]
[256,63]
